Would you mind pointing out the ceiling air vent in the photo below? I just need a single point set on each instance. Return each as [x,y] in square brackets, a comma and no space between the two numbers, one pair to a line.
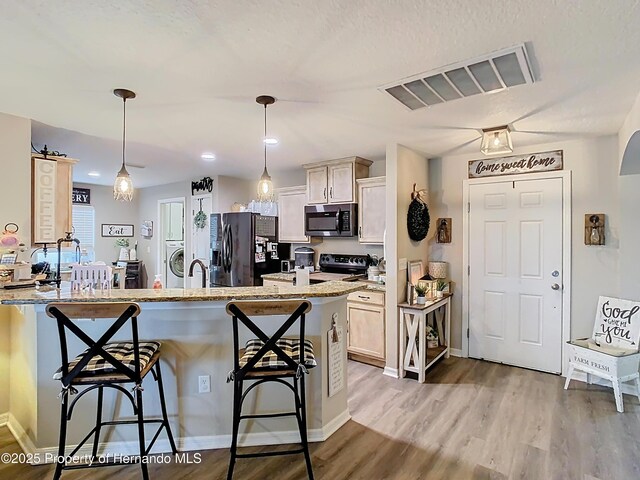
[487,74]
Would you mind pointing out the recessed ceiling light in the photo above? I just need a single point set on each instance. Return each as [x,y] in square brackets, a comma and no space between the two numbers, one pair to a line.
[209,157]
[271,141]
[94,174]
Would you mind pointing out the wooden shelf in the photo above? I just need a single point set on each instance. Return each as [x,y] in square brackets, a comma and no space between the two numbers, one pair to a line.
[435,353]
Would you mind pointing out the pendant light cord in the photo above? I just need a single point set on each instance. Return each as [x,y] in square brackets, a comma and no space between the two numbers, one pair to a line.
[265,136]
[124,127]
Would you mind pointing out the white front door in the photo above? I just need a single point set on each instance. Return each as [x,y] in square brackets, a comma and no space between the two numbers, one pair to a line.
[515,273]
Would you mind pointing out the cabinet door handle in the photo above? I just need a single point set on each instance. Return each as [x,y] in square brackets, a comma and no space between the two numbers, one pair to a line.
[324,194]
[363,297]
[331,192]
[360,232]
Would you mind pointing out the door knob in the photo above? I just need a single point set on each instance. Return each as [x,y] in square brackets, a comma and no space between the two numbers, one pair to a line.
[555,286]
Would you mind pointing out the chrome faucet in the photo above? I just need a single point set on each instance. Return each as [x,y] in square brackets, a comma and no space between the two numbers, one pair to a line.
[197,261]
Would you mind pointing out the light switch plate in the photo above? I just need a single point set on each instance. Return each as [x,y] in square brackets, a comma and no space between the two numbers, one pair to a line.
[402,264]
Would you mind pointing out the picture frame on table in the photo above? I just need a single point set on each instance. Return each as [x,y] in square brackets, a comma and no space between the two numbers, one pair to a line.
[415,271]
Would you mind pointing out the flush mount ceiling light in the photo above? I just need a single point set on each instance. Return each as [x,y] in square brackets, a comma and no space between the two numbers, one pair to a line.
[209,157]
[123,186]
[94,174]
[265,186]
[271,141]
[496,140]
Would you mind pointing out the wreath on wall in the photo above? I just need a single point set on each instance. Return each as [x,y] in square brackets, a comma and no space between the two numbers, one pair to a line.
[418,215]
[200,218]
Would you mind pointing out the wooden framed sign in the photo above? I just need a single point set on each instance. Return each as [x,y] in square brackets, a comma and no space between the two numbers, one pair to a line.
[529,163]
[117,230]
[617,323]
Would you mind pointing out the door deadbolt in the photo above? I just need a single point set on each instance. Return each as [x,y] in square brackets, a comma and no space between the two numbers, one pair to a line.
[555,273]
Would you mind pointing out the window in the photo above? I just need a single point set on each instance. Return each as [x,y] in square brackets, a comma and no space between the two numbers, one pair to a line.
[83,219]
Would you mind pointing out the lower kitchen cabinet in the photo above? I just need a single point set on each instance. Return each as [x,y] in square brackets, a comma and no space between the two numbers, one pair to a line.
[366,327]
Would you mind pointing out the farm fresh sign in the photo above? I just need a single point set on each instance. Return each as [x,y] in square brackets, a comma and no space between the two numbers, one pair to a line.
[617,323]
[534,162]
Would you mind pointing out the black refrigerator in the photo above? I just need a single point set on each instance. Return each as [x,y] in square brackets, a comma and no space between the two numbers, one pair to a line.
[244,246]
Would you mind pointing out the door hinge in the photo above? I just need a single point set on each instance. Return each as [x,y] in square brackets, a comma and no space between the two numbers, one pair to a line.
[467,333]
[468,207]
[468,269]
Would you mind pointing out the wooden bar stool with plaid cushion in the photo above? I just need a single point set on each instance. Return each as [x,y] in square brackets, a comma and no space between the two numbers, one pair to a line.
[271,359]
[106,364]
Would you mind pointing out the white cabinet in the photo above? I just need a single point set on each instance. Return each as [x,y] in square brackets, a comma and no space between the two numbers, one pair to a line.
[52,185]
[371,210]
[291,202]
[366,327]
[335,181]
[317,185]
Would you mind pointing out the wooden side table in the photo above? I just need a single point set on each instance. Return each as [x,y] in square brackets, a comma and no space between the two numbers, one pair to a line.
[617,368]
[415,356]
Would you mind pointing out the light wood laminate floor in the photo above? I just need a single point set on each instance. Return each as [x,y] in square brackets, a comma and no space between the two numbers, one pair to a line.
[471,420]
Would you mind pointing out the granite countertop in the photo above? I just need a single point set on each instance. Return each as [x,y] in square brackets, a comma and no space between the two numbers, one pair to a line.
[279,276]
[45,295]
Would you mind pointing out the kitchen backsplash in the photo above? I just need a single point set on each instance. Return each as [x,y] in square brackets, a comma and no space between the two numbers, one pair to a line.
[340,245]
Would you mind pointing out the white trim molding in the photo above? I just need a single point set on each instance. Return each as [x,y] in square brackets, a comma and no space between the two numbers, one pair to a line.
[565,175]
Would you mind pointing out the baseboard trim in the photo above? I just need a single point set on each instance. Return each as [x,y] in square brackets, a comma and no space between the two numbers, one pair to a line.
[184,444]
[627,388]
[391,372]
[4,419]
[456,352]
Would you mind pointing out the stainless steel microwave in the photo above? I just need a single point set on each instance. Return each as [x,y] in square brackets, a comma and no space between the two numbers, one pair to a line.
[336,220]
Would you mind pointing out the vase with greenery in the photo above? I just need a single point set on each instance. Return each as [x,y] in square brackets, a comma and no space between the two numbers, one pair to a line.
[123,244]
[440,286]
[421,292]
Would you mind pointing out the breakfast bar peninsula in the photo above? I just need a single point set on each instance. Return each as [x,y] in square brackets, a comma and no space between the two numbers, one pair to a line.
[197,349]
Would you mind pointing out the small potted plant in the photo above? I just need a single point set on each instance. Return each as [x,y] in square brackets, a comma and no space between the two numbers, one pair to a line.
[440,286]
[421,291]
[432,337]
[123,243]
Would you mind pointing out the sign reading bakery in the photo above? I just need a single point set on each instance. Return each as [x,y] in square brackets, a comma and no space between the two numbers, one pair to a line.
[81,196]
[529,163]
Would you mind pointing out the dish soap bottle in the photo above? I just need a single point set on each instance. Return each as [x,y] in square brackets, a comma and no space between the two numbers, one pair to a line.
[157,283]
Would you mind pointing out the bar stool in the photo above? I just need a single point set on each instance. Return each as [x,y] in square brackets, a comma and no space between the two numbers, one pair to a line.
[271,359]
[106,365]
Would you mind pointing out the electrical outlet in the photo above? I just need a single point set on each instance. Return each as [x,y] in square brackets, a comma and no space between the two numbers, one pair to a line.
[204,384]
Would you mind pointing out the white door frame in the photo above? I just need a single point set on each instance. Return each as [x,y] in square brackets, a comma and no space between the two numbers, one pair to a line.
[565,175]
[160,242]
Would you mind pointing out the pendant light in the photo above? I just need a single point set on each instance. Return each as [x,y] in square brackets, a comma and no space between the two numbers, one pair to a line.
[123,187]
[265,186]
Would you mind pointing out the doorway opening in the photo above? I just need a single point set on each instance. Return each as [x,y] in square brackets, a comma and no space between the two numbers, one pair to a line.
[171,242]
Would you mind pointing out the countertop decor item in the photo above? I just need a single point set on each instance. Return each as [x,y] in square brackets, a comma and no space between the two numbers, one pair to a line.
[123,186]
[265,186]
[9,237]
[418,215]
[421,292]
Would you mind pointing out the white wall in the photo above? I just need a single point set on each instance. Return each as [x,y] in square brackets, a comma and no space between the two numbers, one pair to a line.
[15,206]
[593,163]
[108,210]
[404,167]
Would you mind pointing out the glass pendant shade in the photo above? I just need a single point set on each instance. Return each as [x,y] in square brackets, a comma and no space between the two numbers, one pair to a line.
[123,186]
[265,187]
[496,140]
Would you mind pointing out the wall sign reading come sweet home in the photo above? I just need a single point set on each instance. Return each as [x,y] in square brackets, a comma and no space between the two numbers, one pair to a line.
[532,162]
[617,323]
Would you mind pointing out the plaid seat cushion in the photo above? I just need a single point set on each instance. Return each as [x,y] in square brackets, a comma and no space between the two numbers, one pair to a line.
[290,346]
[122,351]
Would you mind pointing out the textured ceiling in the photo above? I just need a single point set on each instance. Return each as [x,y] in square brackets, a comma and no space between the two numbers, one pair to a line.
[198,65]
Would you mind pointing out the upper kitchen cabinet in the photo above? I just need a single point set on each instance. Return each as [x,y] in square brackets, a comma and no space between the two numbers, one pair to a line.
[291,202]
[51,188]
[335,181]
[371,210]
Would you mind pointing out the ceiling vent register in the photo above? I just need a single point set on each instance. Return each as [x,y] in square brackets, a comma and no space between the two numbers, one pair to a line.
[487,74]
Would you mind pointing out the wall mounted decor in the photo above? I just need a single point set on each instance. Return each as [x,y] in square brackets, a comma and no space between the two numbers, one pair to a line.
[443,232]
[529,163]
[594,229]
[418,215]
[117,230]
[146,229]
[81,196]
[204,185]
